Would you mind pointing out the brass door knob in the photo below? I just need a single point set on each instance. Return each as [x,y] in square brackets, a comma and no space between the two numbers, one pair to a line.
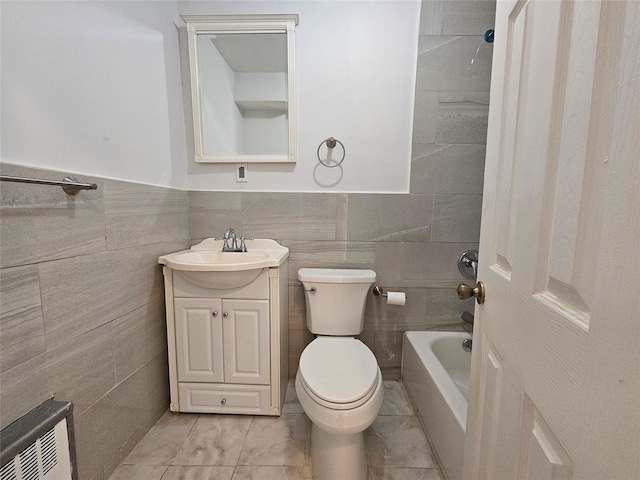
[465,291]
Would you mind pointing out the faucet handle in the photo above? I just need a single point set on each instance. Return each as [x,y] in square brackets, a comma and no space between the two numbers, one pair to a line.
[243,246]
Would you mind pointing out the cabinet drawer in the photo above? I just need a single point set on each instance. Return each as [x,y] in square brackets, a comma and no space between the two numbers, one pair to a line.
[217,398]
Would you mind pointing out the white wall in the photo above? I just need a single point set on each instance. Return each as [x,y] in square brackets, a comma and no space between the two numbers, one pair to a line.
[356,65]
[94,88]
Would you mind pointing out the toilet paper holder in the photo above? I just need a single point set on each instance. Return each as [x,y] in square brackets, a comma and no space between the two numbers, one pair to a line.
[379,292]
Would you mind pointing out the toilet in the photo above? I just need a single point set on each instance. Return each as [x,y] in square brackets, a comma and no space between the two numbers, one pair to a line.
[338,383]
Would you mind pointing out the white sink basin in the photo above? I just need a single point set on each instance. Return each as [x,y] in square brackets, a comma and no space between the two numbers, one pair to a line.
[207,266]
[219,260]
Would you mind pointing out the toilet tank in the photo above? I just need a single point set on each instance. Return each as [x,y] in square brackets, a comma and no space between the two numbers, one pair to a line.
[335,299]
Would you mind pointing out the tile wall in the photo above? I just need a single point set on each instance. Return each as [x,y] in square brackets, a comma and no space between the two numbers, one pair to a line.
[82,307]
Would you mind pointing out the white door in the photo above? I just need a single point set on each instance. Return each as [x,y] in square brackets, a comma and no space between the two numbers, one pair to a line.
[199,347]
[556,370]
[246,341]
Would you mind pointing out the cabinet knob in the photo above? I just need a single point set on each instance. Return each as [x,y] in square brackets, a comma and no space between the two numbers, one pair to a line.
[215,314]
[225,314]
[223,401]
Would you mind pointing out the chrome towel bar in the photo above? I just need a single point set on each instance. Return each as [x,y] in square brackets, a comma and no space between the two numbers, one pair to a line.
[70,185]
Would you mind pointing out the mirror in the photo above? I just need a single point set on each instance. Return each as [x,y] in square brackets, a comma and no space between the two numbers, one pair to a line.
[243,87]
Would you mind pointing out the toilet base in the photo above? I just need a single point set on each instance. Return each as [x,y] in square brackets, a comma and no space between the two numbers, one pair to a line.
[337,456]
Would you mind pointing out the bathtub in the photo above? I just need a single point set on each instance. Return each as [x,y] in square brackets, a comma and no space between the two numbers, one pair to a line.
[435,371]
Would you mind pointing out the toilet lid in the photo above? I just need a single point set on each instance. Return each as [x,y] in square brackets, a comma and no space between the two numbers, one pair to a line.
[338,369]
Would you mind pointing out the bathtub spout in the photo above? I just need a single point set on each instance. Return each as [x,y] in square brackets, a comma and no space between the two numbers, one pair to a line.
[467,317]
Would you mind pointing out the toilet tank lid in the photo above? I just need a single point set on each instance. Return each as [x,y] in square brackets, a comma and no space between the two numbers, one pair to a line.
[336,275]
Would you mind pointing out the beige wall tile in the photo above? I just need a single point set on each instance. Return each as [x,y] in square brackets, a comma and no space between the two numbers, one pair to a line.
[139,336]
[411,316]
[462,117]
[447,168]
[388,352]
[315,254]
[134,405]
[425,117]
[141,214]
[390,217]
[297,308]
[80,370]
[40,222]
[468,17]
[211,213]
[21,325]
[291,216]
[81,293]
[453,63]
[431,15]
[456,218]
[420,265]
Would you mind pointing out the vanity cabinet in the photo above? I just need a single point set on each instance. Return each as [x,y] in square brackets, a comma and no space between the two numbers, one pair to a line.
[228,347]
[222,340]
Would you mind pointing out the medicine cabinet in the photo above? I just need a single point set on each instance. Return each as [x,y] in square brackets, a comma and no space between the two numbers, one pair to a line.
[243,87]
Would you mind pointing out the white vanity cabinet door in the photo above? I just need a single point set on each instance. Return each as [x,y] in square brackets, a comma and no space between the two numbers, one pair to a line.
[199,345]
[246,341]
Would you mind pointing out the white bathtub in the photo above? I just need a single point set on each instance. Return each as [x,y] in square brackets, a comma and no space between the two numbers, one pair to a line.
[435,371]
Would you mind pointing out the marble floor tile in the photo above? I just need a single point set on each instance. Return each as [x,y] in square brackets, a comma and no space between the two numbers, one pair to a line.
[396,401]
[236,447]
[198,473]
[214,440]
[398,473]
[397,441]
[277,441]
[280,472]
[163,441]
[138,472]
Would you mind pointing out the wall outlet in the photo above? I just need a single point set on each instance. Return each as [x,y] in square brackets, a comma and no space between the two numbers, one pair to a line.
[241,173]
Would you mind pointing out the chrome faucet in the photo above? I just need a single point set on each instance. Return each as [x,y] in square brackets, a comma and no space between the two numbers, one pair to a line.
[230,234]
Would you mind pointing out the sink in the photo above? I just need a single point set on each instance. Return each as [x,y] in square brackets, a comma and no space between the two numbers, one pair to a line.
[207,266]
[222,260]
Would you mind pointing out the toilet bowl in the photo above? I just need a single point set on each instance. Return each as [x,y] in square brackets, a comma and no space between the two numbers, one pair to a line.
[341,395]
[338,383]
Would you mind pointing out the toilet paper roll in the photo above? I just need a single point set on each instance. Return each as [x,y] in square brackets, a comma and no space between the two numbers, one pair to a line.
[396,298]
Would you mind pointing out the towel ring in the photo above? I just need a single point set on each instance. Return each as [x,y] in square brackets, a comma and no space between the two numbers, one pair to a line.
[331,143]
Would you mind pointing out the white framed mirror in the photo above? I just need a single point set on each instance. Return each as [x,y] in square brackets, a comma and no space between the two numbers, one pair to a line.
[243,87]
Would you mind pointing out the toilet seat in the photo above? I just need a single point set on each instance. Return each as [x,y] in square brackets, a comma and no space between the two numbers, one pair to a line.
[340,373]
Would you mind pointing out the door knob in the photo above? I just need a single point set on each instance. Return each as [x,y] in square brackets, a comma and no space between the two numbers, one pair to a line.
[465,291]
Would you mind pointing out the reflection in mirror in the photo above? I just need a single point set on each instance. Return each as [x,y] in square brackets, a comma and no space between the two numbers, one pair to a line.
[242,92]
[243,87]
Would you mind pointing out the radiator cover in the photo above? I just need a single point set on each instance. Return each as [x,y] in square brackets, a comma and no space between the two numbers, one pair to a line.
[40,445]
